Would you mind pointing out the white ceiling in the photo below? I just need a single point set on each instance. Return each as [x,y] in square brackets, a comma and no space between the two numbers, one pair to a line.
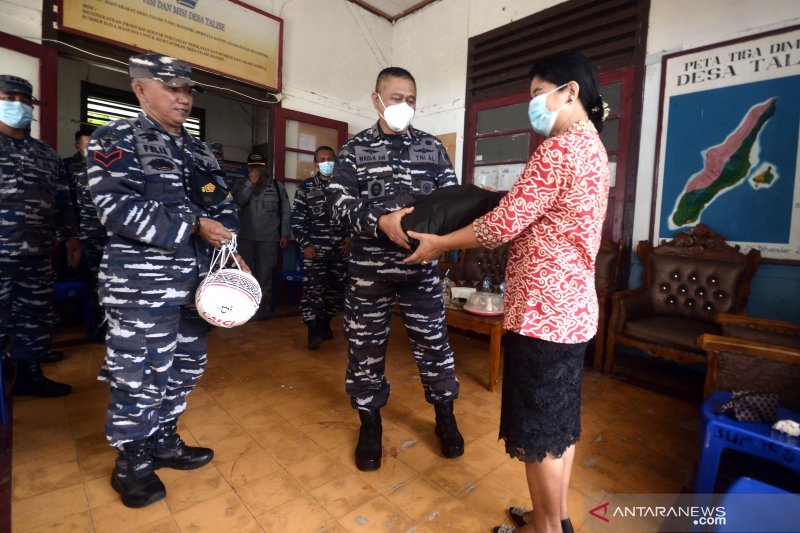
[392,9]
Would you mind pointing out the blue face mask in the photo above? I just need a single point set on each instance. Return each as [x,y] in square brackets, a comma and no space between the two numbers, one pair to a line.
[542,119]
[16,114]
[326,168]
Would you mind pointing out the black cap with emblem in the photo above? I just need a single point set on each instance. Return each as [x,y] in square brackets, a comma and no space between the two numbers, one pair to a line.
[168,70]
[256,160]
[10,84]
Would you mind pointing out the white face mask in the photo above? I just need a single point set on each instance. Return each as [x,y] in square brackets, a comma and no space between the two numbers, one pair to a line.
[326,168]
[542,119]
[397,116]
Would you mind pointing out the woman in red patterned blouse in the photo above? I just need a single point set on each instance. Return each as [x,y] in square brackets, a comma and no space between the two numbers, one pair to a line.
[553,217]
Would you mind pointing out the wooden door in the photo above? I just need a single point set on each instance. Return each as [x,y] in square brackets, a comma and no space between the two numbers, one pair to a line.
[616,87]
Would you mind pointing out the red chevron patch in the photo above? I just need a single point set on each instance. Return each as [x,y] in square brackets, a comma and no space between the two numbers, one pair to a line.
[108,159]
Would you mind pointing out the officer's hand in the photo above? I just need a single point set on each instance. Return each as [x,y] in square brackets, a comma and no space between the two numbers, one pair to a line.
[241,262]
[429,248]
[214,233]
[284,242]
[346,243]
[390,225]
[74,253]
[309,252]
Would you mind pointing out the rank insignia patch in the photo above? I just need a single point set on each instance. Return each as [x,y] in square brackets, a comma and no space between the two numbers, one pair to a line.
[108,159]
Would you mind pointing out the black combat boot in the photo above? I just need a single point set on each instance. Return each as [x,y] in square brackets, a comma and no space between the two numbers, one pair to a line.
[134,477]
[314,338]
[325,331]
[168,450]
[368,449]
[31,382]
[446,429]
[52,357]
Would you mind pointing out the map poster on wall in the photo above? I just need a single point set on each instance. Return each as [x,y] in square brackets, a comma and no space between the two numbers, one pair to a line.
[225,37]
[728,143]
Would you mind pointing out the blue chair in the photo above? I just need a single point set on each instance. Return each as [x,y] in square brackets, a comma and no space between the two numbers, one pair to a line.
[77,289]
[291,273]
[752,505]
[721,432]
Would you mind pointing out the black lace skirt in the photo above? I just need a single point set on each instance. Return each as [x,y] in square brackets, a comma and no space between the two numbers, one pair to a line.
[541,405]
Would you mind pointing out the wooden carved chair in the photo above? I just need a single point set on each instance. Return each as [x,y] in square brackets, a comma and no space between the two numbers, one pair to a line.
[475,264]
[685,283]
[754,354]
[606,282]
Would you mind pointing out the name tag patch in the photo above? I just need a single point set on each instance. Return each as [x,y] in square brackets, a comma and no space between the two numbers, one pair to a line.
[424,153]
[371,154]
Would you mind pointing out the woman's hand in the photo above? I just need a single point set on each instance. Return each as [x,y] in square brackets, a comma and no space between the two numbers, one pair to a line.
[429,249]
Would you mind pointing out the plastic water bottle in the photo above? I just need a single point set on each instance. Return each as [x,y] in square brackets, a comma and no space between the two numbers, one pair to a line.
[447,291]
[486,286]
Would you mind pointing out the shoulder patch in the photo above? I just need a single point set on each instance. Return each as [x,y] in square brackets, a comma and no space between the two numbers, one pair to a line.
[108,139]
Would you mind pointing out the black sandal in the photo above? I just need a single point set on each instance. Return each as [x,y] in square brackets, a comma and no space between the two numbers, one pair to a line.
[517,514]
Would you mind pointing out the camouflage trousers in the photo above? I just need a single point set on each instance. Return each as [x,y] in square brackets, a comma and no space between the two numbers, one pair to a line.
[27,314]
[93,249]
[323,288]
[368,311]
[154,359]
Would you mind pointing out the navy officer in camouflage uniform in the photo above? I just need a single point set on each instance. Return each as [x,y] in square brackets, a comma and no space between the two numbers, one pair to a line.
[34,204]
[76,163]
[161,197]
[378,172]
[93,235]
[324,245]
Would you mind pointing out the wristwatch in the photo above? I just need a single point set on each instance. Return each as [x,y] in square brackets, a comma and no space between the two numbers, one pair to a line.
[196,227]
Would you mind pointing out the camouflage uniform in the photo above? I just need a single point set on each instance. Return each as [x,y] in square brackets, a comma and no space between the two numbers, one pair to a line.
[141,179]
[323,276]
[92,233]
[376,174]
[76,166]
[34,203]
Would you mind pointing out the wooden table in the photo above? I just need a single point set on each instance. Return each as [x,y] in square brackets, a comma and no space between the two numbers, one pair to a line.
[491,325]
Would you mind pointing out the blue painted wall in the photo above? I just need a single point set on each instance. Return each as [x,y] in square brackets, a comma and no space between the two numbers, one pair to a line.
[774,291]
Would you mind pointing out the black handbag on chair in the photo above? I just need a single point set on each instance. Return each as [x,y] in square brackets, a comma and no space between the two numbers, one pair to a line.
[751,406]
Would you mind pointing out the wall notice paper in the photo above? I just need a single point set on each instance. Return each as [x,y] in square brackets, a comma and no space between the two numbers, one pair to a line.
[220,36]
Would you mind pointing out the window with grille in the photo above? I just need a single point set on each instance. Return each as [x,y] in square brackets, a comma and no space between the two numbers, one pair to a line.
[100,105]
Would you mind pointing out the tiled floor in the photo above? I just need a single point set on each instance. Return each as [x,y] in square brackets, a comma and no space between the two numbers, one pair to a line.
[280,423]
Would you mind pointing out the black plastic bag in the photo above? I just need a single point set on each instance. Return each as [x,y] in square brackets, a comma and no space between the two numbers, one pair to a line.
[448,209]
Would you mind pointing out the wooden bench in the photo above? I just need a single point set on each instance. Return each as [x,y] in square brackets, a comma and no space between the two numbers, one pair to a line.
[490,325]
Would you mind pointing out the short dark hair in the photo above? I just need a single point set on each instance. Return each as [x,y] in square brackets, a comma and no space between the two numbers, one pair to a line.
[321,148]
[393,72]
[83,132]
[562,68]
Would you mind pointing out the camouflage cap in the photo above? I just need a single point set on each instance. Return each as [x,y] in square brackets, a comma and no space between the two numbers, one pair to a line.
[14,84]
[256,159]
[216,149]
[168,70]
